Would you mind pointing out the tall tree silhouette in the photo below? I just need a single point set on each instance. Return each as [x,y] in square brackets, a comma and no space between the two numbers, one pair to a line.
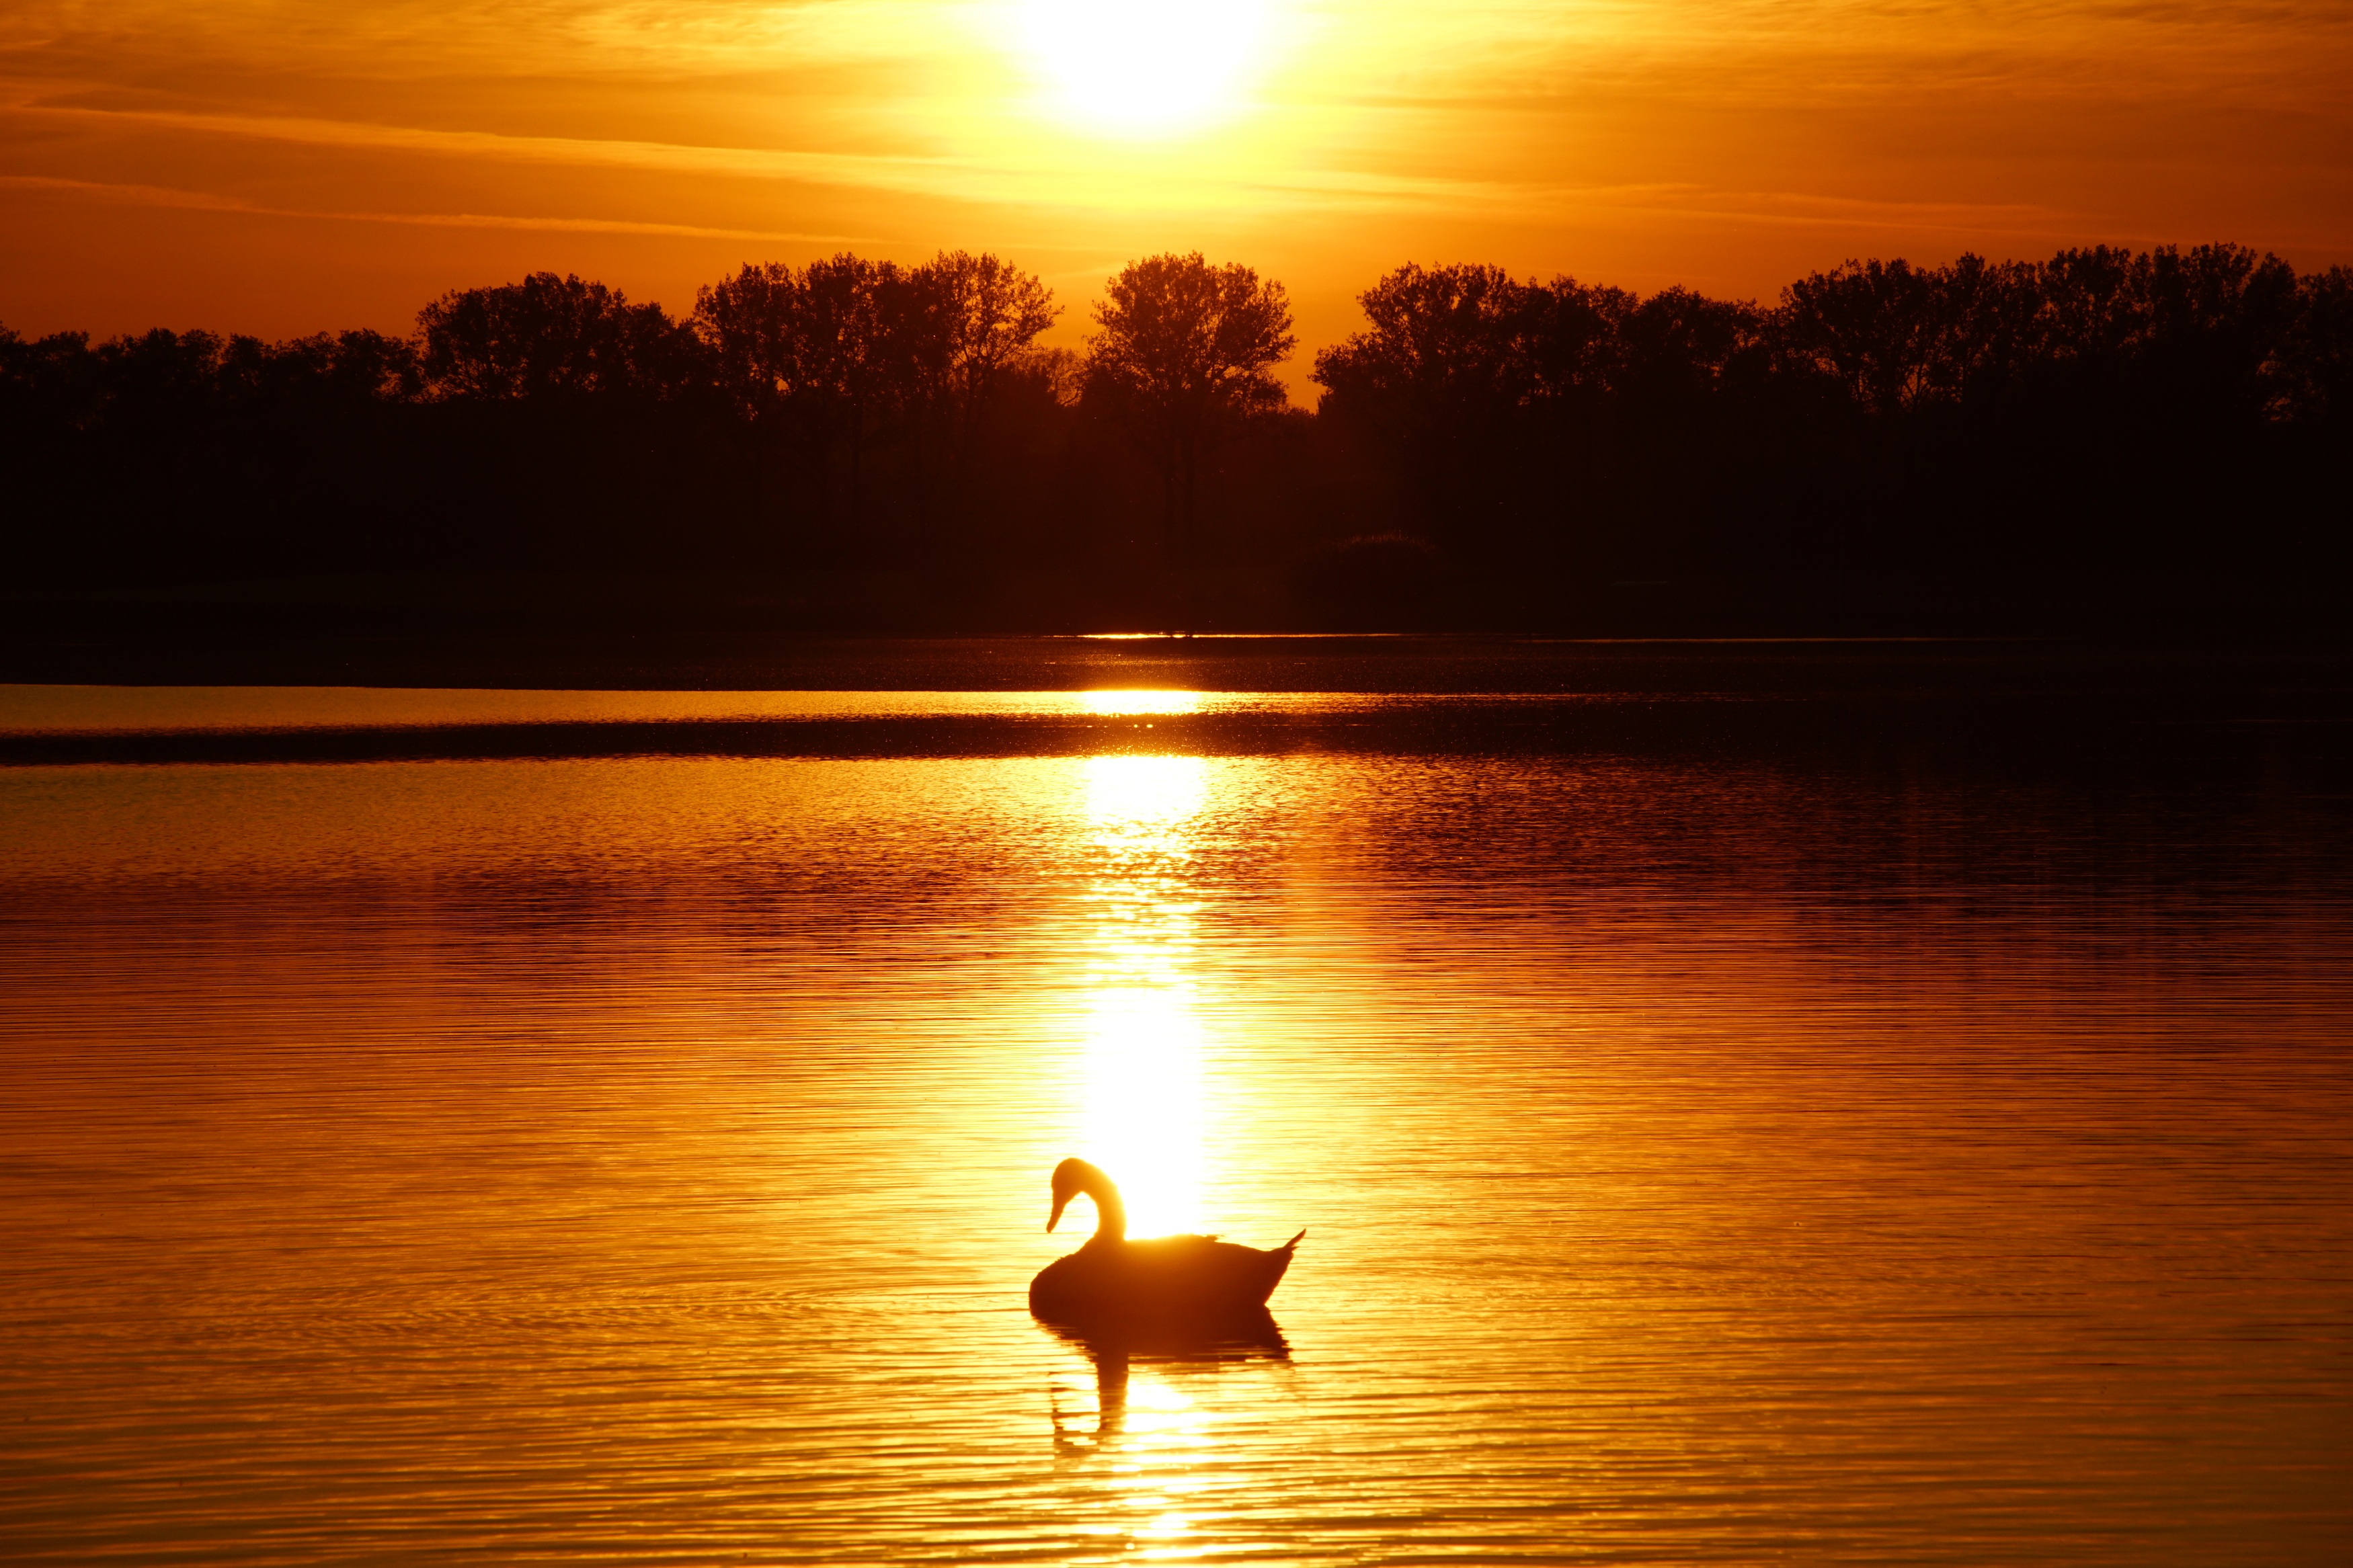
[864,345]
[1873,326]
[1498,397]
[2314,370]
[987,313]
[551,336]
[830,348]
[1181,356]
[1443,375]
[1445,342]
[840,349]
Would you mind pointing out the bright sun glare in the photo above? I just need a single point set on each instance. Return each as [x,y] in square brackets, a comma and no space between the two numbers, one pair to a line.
[1145,1106]
[1120,703]
[1144,68]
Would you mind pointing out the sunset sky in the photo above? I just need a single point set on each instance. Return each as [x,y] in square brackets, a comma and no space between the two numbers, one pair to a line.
[280,166]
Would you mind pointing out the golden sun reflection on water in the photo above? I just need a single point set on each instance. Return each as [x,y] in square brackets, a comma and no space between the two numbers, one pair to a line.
[1707,1160]
[1142,1111]
[1118,704]
[1148,1458]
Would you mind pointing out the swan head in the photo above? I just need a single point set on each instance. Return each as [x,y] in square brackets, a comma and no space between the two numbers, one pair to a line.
[1072,1177]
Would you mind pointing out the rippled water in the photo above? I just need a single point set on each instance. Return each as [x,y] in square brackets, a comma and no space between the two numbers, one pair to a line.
[1705,1156]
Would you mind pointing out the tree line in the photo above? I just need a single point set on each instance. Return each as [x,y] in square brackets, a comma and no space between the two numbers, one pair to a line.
[1486,446]
[2065,416]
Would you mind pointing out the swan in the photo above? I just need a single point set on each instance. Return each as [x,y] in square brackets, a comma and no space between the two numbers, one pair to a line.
[1171,1280]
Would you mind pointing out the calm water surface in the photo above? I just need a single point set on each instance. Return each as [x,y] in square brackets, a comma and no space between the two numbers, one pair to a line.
[1705,1158]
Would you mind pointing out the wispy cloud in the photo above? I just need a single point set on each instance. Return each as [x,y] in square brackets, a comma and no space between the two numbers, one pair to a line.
[825,168]
[1078,174]
[206,201]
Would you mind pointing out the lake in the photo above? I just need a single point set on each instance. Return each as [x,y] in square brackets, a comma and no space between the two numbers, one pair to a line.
[595,1126]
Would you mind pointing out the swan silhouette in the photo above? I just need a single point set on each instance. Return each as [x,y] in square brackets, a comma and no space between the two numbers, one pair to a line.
[1169,1282]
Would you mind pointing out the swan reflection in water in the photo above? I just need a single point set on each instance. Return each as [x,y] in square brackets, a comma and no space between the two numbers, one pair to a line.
[1250,1336]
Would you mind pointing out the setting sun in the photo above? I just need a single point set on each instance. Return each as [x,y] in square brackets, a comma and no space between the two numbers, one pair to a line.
[1142,67]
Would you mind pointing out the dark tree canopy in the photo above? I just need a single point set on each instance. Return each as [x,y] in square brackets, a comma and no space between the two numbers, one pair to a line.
[1443,342]
[2200,325]
[849,331]
[2313,366]
[846,351]
[1878,329]
[988,313]
[1182,355]
[551,336]
[1882,416]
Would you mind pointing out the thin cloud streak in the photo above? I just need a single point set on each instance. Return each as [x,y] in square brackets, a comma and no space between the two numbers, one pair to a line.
[962,178]
[206,201]
[1339,189]
[820,168]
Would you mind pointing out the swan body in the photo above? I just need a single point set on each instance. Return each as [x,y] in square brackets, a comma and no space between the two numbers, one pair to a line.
[1168,1281]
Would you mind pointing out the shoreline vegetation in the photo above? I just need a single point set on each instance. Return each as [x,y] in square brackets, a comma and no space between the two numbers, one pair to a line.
[2155,443]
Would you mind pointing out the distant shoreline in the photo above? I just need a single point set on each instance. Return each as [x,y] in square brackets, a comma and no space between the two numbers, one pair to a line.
[1635,691]
[876,632]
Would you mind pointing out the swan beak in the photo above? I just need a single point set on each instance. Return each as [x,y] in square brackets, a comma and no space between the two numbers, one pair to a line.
[1056,1217]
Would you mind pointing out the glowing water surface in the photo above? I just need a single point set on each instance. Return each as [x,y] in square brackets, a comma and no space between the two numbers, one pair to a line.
[1704,1158]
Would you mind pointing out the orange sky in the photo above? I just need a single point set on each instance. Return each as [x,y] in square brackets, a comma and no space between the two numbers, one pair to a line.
[279,166]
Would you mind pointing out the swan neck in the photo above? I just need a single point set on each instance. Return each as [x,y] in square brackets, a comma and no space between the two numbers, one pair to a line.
[1111,1215]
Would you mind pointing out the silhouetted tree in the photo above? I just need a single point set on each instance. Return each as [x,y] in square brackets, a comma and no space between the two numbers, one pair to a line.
[841,350]
[1444,374]
[1514,406]
[779,352]
[2312,370]
[550,336]
[834,349]
[1447,345]
[988,313]
[1181,357]
[1871,326]
[566,420]
[1991,326]
[2218,314]
[1443,341]
[1681,346]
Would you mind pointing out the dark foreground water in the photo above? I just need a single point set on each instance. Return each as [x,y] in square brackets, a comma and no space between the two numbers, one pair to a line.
[1711,1150]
